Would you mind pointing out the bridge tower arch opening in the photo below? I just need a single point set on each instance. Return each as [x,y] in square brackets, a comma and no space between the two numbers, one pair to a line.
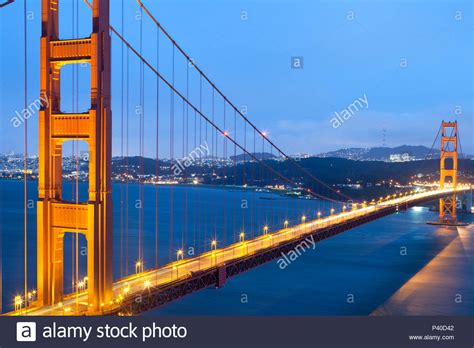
[448,171]
[55,215]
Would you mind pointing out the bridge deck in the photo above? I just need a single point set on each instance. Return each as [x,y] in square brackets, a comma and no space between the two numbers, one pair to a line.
[149,289]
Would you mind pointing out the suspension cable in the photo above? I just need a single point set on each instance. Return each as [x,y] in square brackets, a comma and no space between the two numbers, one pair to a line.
[218,129]
[434,142]
[25,155]
[261,133]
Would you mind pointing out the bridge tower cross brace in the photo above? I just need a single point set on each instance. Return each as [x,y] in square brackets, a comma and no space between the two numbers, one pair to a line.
[56,216]
[449,151]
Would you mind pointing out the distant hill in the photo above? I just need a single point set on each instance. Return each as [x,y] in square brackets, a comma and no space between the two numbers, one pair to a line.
[246,157]
[383,153]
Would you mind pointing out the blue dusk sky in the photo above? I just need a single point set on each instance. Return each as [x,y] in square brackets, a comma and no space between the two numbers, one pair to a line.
[411,61]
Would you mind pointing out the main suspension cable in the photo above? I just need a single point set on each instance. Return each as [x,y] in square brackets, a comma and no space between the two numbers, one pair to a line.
[218,129]
[261,133]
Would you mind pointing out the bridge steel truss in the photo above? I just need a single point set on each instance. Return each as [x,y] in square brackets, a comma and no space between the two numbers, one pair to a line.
[56,216]
[449,152]
[216,276]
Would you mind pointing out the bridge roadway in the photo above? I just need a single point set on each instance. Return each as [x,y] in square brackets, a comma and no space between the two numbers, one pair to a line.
[150,289]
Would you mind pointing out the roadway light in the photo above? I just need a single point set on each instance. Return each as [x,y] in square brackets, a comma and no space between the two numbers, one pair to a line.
[332,211]
[147,284]
[265,229]
[303,218]
[344,208]
[242,236]
[179,254]
[81,285]
[319,214]
[213,244]
[138,266]
[18,301]
[286,223]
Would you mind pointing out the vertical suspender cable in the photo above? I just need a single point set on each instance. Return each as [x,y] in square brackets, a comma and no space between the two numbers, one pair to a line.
[25,157]
[73,144]
[235,176]
[76,91]
[121,140]
[171,230]
[127,161]
[140,221]
[157,145]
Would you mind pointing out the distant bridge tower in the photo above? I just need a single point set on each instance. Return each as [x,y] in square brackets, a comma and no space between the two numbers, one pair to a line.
[56,216]
[448,171]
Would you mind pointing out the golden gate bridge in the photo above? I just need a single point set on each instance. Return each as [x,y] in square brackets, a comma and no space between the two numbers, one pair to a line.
[195,107]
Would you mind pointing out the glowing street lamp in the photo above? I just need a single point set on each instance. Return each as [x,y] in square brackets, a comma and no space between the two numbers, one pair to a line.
[81,285]
[18,302]
[242,236]
[332,211]
[138,266]
[319,214]
[213,244]
[286,223]
[344,208]
[179,254]
[303,218]
[265,229]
